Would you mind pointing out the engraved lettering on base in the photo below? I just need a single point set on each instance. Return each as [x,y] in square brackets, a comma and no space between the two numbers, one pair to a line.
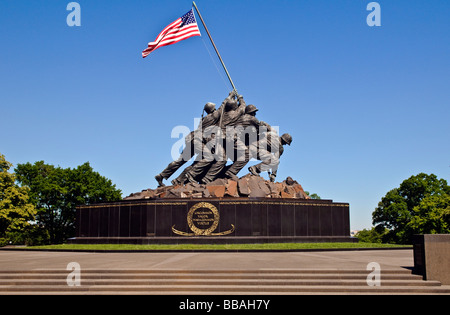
[203,219]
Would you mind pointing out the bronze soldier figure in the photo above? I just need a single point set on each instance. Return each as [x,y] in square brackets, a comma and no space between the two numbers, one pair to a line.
[269,150]
[247,132]
[194,143]
[233,110]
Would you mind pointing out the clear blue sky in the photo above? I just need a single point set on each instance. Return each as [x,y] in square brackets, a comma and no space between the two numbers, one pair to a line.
[367,106]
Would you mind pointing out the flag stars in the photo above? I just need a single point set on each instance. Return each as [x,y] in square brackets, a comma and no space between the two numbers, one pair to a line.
[188,18]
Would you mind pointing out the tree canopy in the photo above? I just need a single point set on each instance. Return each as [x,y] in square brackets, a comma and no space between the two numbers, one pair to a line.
[420,205]
[56,192]
[16,210]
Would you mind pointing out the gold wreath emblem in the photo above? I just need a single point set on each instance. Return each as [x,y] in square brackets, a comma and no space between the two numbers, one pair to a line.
[200,214]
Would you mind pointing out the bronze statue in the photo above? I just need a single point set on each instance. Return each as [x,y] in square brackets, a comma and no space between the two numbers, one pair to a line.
[269,149]
[212,164]
[230,133]
[247,132]
[194,143]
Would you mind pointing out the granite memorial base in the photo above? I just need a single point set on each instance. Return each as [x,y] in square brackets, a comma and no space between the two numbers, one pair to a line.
[213,221]
[432,257]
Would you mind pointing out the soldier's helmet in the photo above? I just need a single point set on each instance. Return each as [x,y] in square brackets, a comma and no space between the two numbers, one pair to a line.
[287,138]
[251,109]
[210,107]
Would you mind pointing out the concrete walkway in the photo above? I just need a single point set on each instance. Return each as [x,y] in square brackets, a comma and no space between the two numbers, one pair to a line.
[341,260]
[216,273]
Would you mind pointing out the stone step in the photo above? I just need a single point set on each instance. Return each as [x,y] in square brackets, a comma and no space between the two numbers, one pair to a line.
[156,276]
[211,271]
[219,290]
[222,282]
[266,281]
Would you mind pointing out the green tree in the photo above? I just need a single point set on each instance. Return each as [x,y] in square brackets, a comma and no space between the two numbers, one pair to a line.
[313,196]
[402,210]
[373,235]
[432,215]
[56,192]
[16,210]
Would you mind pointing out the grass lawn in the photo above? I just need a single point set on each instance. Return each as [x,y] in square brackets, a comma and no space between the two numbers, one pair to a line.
[218,247]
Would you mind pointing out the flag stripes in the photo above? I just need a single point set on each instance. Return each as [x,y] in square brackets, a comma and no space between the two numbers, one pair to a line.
[183,28]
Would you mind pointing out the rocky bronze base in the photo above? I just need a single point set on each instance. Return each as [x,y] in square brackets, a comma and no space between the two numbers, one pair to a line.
[213,221]
[248,186]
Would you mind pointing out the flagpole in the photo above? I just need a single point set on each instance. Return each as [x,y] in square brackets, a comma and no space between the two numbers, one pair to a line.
[215,48]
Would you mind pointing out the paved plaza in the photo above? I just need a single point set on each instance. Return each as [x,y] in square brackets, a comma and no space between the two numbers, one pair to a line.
[341,260]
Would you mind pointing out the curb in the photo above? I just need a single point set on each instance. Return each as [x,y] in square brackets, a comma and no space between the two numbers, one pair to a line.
[206,250]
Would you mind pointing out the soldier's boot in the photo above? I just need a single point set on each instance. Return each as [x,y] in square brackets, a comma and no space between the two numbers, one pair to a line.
[206,181]
[234,177]
[231,176]
[190,178]
[254,170]
[159,179]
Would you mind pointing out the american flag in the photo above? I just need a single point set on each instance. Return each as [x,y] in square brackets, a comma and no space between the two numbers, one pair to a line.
[183,28]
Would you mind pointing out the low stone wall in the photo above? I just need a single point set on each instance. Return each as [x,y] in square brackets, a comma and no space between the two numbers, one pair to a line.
[432,256]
